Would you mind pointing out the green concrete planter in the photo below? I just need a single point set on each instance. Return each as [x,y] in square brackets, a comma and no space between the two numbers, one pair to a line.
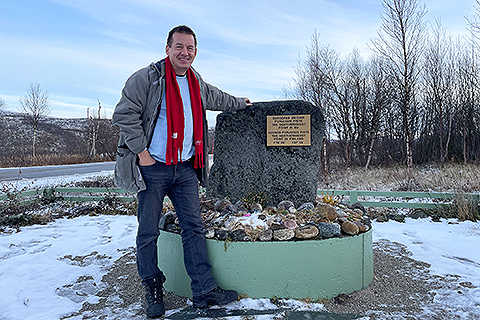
[294,269]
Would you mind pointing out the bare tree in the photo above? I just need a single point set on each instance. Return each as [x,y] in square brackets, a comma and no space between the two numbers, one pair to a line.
[401,41]
[101,136]
[378,100]
[438,94]
[35,105]
[3,126]
[474,22]
[468,83]
[312,83]
[92,131]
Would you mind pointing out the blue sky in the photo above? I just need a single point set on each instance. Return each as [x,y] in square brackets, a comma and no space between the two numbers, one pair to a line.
[81,51]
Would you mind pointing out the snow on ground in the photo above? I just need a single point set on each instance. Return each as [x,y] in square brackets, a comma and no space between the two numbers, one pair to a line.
[40,259]
[452,250]
[40,264]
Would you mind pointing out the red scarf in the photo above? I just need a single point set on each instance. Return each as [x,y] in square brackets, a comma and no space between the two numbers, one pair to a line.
[176,120]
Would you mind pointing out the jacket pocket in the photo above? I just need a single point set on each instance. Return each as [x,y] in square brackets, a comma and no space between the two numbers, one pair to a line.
[127,172]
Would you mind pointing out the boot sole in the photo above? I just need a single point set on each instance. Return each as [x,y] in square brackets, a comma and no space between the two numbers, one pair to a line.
[204,304]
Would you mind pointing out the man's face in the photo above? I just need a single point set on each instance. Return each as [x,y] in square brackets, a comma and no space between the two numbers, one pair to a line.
[182,52]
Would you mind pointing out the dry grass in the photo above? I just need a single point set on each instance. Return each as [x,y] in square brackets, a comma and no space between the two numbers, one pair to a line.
[454,178]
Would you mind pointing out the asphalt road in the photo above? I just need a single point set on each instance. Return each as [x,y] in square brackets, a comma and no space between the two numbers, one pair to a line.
[9,174]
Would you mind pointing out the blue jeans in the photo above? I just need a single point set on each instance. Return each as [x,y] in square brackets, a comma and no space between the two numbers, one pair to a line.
[179,183]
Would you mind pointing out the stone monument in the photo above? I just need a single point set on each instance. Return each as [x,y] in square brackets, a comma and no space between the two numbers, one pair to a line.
[271,149]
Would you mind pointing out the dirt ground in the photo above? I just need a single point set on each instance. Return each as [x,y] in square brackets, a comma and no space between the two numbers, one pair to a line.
[402,289]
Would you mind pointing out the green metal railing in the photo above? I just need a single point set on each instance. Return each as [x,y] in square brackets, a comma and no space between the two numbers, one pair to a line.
[389,199]
[436,199]
[74,194]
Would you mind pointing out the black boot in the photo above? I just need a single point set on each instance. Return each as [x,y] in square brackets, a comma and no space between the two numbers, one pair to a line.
[154,296]
[217,296]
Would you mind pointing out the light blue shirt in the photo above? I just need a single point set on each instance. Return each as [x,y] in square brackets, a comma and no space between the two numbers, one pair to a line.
[158,146]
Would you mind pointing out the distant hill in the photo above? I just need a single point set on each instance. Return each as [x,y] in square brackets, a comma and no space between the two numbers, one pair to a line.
[59,136]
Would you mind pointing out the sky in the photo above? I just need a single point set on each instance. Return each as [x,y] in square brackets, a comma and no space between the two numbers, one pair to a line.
[81,52]
[51,270]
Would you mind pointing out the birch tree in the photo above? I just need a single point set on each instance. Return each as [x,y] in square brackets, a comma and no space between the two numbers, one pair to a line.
[35,105]
[438,93]
[401,40]
[474,23]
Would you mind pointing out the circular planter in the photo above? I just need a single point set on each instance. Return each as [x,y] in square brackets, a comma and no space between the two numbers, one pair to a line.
[293,269]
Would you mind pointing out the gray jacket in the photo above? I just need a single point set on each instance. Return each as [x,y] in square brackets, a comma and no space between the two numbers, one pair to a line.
[136,114]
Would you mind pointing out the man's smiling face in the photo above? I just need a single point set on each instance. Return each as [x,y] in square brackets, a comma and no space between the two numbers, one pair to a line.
[182,52]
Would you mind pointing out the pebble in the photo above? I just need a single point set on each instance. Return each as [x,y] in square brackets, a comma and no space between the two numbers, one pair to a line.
[327,211]
[350,228]
[341,214]
[224,221]
[210,233]
[220,221]
[354,214]
[307,207]
[358,205]
[238,235]
[233,209]
[367,222]
[222,205]
[277,226]
[271,210]
[290,224]
[285,205]
[256,207]
[265,235]
[342,220]
[306,232]
[397,217]
[166,219]
[241,206]
[359,212]
[221,234]
[172,227]
[283,234]
[361,226]
[329,230]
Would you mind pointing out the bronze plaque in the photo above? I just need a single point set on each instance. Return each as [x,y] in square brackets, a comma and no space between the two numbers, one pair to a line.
[288,130]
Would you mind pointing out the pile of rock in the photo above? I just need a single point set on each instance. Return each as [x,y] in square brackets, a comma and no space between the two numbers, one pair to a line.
[225,221]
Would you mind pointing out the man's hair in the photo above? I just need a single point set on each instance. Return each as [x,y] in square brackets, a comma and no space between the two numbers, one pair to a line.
[181,29]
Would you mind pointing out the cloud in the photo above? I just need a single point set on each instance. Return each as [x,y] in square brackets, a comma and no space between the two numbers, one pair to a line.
[247,48]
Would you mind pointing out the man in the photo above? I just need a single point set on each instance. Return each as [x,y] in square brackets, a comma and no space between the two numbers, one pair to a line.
[163,151]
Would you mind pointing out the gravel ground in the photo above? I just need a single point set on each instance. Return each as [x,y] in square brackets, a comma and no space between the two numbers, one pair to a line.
[402,289]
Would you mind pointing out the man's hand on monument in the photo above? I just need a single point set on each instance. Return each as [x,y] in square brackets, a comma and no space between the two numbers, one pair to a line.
[249,103]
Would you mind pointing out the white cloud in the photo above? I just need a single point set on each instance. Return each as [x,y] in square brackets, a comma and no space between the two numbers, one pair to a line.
[246,48]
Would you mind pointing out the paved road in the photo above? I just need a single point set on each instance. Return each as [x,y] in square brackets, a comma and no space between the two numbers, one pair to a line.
[9,174]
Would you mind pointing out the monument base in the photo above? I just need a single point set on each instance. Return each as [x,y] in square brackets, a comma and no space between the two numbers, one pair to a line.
[313,269]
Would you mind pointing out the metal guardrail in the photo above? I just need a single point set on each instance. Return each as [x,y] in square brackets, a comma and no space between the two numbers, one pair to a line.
[436,199]
[74,194]
[439,198]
